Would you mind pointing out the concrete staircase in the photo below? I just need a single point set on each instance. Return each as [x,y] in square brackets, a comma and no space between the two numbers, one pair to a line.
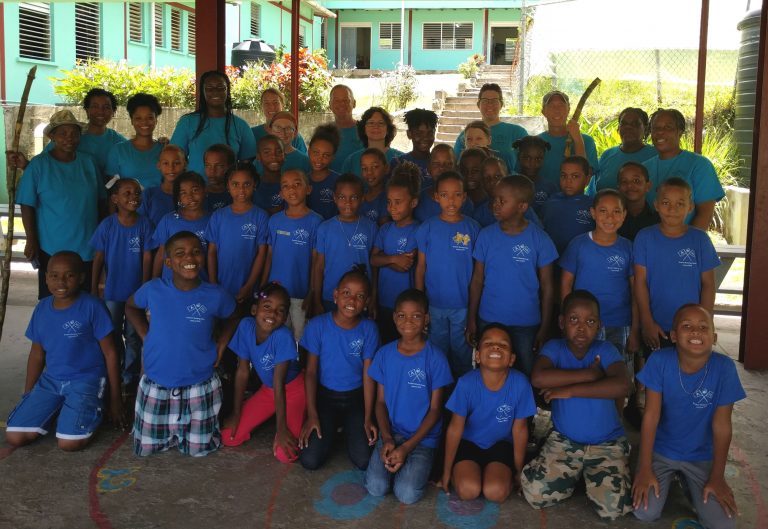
[461,109]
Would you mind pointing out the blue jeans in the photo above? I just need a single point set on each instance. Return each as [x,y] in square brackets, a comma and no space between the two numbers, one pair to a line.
[127,342]
[523,337]
[446,331]
[618,336]
[409,482]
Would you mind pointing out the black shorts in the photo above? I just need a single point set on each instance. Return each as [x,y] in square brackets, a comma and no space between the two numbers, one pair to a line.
[502,452]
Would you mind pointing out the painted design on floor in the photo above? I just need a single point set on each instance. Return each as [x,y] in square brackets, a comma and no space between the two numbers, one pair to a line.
[115,479]
[343,497]
[472,514]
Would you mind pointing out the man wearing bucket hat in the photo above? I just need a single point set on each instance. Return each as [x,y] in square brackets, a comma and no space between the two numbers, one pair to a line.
[59,195]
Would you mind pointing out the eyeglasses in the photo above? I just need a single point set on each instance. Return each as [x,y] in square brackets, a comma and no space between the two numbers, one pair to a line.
[490,100]
[283,130]
[375,124]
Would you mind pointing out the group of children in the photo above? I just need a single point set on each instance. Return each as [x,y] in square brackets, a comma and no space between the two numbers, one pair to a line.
[298,275]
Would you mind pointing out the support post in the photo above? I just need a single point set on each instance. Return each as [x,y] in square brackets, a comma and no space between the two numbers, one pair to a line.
[209,32]
[701,77]
[295,13]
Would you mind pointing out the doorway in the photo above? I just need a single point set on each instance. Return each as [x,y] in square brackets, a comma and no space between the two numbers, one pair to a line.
[355,47]
[503,44]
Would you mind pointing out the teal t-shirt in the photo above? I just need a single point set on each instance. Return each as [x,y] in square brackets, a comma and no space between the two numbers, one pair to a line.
[553,158]
[129,162]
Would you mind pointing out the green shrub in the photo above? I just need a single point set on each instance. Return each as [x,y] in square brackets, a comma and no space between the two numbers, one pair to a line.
[399,87]
[469,68]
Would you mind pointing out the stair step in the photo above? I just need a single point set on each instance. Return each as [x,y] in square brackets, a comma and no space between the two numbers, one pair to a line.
[450,128]
[452,120]
[448,138]
[468,114]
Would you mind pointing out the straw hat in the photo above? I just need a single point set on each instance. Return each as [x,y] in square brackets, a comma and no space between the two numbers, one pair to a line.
[62,117]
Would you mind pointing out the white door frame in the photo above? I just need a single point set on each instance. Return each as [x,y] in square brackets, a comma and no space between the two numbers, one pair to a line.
[498,24]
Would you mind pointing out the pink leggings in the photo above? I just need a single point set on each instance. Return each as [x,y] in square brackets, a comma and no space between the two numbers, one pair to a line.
[261,406]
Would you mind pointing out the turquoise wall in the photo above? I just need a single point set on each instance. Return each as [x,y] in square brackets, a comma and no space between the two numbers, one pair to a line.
[141,53]
[422,59]
[381,59]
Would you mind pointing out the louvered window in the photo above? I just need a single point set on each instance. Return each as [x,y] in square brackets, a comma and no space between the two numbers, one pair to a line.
[159,24]
[136,22]
[390,35]
[323,33]
[255,20]
[35,30]
[87,31]
[175,30]
[302,36]
[191,35]
[448,36]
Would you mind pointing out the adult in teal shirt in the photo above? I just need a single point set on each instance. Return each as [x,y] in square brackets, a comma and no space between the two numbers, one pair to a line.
[342,103]
[272,102]
[376,129]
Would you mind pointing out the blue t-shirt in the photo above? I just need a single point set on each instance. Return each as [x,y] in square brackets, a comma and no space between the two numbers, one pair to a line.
[320,199]
[123,248]
[483,214]
[585,420]
[490,414]
[340,352]
[689,401]
[238,237]
[448,250]
[376,209]
[428,207]
[267,196]
[155,204]
[173,223]
[673,268]
[421,163]
[408,385]
[503,135]
[97,146]
[70,337]
[604,271]
[259,131]
[214,201]
[394,240]
[610,163]
[129,162]
[179,349]
[293,160]
[350,142]
[511,281]
[352,163]
[553,158]
[240,138]
[343,245]
[292,241]
[279,347]
[565,217]
[66,197]
[694,168]
[543,189]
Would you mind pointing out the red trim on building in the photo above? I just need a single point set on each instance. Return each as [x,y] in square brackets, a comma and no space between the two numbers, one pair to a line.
[336,42]
[485,33]
[181,6]
[281,6]
[410,36]
[2,53]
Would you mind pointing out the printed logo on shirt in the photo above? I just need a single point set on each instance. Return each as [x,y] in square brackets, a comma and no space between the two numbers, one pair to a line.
[504,413]
[134,244]
[402,242]
[201,235]
[359,241]
[687,257]
[276,201]
[196,312]
[217,205]
[356,347]
[300,236]
[72,329]
[540,197]
[702,398]
[583,216]
[417,378]
[616,263]
[461,241]
[520,253]
[249,230]
[267,362]
[326,195]
[373,215]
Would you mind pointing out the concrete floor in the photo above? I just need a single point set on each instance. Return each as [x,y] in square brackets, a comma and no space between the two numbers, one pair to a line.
[107,487]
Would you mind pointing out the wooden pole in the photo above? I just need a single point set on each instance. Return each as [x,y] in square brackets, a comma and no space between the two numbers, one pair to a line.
[11,182]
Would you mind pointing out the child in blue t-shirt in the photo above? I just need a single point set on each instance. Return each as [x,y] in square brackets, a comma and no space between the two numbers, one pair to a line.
[219,160]
[581,377]
[410,374]
[339,392]
[72,355]
[292,236]
[471,168]
[179,395]
[566,214]
[158,201]
[486,439]
[271,156]
[189,194]
[120,243]
[444,269]
[687,422]
[374,170]
[237,237]
[284,126]
[530,159]
[421,124]
[322,152]
[342,242]
[513,261]
[674,264]
[441,159]
[265,344]
[394,252]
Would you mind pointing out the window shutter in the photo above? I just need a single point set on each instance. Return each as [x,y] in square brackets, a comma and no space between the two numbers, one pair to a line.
[175,30]
[390,35]
[159,24]
[87,31]
[447,36]
[35,30]
[255,20]
[136,22]
[191,33]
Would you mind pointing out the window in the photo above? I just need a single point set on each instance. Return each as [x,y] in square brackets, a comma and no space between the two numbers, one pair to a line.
[191,35]
[302,36]
[389,35]
[159,23]
[136,22]
[175,30]
[447,36]
[87,32]
[35,30]
[323,33]
[255,20]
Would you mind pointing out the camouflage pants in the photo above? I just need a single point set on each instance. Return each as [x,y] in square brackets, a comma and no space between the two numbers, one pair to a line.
[552,476]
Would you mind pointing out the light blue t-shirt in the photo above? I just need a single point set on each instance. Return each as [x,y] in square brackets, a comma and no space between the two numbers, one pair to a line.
[343,245]
[129,162]
[409,381]
[585,420]
[292,241]
[352,163]
[66,197]
[259,131]
[376,209]
[429,207]
[673,268]
[320,199]
[490,414]
[70,337]
[689,401]
[279,347]
[155,204]
[553,158]
[238,237]
[564,217]
[610,163]
[340,352]
[350,142]
[267,196]
[503,135]
[448,250]
[395,240]
[97,146]
[173,223]
[123,248]
[605,272]
[240,138]
[511,265]
[179,349]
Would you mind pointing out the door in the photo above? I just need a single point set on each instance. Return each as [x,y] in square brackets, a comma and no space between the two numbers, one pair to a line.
[355,47]
[503,45]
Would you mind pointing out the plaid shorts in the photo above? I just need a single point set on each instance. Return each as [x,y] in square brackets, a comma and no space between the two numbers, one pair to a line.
[185,417]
